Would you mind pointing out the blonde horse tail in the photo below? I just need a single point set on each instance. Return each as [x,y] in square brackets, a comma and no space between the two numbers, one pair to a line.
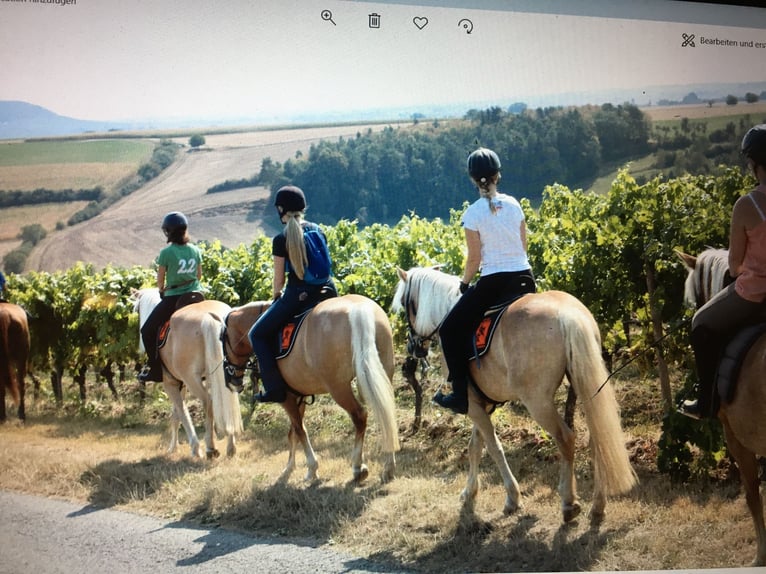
[226,411]
[374,384]
[587,373]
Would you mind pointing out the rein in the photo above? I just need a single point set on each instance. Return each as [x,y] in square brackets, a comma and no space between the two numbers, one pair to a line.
[645,351]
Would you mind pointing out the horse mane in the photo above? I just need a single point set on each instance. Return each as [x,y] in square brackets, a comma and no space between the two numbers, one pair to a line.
[144,300]
[432,292]
[706,277]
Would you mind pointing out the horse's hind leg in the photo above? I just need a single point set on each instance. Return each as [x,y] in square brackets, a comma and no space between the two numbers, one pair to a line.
[550,420]
[748,471]
[482,421]
[295,409]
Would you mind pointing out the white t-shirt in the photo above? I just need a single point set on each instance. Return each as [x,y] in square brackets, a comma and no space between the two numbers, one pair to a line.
[501,246]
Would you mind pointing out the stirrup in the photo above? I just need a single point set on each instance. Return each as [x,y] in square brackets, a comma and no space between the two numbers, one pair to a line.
[143,376]
[690,409]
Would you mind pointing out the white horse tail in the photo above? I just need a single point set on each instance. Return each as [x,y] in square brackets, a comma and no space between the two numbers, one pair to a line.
[226,412]
[587,373]
[374,385]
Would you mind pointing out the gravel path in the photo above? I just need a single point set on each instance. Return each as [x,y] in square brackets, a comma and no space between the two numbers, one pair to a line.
[48,536]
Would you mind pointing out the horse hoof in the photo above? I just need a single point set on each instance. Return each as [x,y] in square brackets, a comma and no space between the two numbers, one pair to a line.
[571,511]
[510,509]
[361,474]
[211,454]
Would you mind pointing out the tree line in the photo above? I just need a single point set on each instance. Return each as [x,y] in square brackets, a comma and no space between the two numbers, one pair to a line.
[376,177]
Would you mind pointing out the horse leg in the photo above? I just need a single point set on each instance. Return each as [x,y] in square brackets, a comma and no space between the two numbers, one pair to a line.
[22,391]
[295,409]
[358,414]
[177,393]
[409,367]
[3,415]
[207,405]
[231,445]
[544,412]
[748,471]
[482,421]
[475,450]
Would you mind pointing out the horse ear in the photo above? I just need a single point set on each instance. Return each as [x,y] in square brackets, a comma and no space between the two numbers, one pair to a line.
[689,261]
[401,273]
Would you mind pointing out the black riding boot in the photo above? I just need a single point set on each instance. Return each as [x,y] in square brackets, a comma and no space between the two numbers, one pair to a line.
[707,355]
[457,400]
[275,389]
[151,372]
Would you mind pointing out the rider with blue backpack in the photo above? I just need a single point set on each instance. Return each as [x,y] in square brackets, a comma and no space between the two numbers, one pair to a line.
[302,278]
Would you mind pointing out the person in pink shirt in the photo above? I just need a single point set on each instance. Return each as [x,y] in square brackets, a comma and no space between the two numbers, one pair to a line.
[740,304]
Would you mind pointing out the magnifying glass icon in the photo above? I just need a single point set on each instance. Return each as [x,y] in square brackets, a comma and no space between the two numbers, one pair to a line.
[327,17]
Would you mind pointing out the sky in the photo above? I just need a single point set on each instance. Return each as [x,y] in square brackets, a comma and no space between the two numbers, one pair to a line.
[147,59]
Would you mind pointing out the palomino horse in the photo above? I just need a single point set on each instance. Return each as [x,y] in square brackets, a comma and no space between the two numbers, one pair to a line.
[341,338]
[742,417]
[14,353]
[193,358]
[541,338]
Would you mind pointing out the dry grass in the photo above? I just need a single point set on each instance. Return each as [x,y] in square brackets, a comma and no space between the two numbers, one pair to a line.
[113,455]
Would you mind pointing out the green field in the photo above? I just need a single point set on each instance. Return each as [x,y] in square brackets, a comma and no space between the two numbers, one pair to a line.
[63,152]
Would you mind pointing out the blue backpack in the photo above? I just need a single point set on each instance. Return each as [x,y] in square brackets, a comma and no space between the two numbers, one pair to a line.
[319,267]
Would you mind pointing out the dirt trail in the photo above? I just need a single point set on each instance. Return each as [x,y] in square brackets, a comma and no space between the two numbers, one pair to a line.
[128,233]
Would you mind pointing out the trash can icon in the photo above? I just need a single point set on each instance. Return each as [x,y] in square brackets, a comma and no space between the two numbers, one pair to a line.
[374,20]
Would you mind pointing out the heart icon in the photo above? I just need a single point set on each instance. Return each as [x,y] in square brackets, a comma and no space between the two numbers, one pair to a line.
[420,22]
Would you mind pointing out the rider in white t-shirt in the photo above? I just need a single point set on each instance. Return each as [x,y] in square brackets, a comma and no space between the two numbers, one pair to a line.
[496,238]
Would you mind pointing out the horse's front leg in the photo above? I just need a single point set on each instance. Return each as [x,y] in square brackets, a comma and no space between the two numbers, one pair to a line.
[295,409]
[231,445]
[210,450]
[482,421]
[176,393]
[475,450]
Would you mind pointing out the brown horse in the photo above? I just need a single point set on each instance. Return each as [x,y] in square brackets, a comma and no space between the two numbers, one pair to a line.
[341,338]
[541,338]
[14,354]
[192,358]
[742,418]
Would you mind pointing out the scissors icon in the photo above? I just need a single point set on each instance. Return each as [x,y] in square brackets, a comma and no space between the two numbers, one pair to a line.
[327,17]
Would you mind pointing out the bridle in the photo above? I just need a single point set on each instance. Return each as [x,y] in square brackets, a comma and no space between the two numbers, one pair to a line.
[234,373]
[417,345]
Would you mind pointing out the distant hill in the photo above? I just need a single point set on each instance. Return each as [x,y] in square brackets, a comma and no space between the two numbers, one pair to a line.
[20,120]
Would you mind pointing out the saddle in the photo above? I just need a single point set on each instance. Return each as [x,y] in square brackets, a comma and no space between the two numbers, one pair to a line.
[482,337]
[289,332]
[731,360]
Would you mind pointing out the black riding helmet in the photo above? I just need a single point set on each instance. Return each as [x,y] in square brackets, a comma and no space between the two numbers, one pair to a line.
[174,224]
[290,198]
[754,144]
[483,164]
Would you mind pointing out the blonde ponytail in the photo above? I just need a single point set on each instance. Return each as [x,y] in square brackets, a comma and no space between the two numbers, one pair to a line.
[488,189]
[296,246]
